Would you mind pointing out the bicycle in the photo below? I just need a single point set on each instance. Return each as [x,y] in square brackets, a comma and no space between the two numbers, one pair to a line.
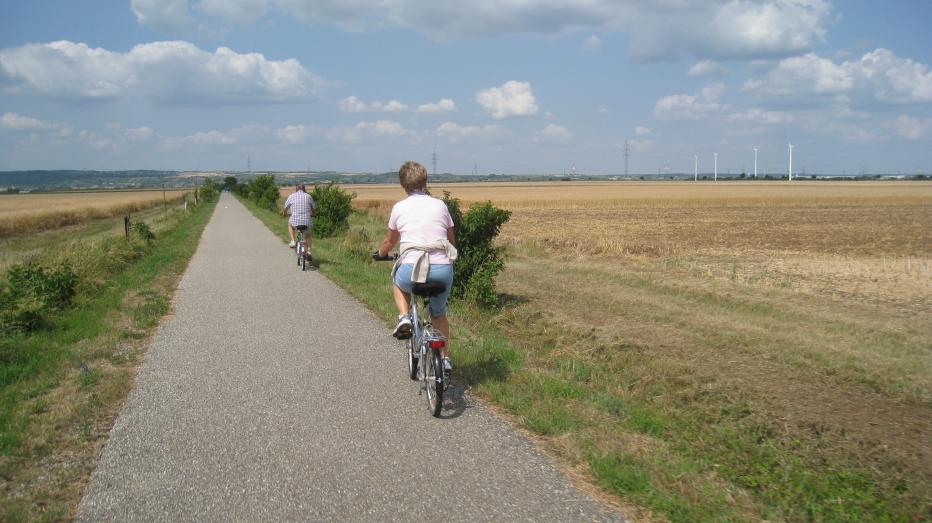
[424,344]
[301,248]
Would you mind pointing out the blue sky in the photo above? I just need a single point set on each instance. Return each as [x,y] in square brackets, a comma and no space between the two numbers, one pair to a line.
[512,86]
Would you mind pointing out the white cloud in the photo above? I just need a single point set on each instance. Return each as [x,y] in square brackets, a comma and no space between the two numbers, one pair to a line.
[713,29]
[174,72]
[383,127]
[708,29]
[295,133]
[470,133]
[131,134]
[593,43]
[16,122]
[706,68]
[877,77]
[351,104]
[167,16]
[642,131]
[442,105]
[208,138]
[640,146]
[555,133]
[908,127]
[689,107]
[234,11]
[511,99]
[393,106]
[761,117]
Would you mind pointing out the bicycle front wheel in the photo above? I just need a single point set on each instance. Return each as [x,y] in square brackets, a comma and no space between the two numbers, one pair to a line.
[433,381]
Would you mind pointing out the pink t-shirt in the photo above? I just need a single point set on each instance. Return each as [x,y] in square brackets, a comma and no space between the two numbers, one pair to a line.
[422,219]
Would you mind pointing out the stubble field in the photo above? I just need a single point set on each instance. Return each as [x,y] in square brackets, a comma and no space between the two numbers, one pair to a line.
[768,342]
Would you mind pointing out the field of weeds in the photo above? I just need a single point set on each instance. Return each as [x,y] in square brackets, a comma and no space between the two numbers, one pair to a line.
[27,213]
[738,351]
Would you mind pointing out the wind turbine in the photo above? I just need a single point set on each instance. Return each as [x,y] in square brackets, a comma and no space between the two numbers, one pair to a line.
[790,171]
[715,177]
[755,162]
[696,168]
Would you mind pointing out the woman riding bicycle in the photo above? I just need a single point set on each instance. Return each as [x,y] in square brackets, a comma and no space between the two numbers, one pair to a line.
[424,227]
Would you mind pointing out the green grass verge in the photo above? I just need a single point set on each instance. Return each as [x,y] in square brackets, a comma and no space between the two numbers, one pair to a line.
[662,443]
[61,386]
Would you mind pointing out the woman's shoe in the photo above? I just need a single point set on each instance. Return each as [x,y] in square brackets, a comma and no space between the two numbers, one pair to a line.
[403,328]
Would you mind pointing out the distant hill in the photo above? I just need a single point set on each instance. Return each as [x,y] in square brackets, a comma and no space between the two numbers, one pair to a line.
[70,180]
[64,180]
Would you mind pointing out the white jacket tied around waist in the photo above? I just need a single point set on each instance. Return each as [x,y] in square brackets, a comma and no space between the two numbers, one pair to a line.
[422,263]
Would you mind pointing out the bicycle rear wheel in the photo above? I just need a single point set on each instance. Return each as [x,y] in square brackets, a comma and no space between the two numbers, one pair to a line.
[303,257]
[433,381]
[412,358]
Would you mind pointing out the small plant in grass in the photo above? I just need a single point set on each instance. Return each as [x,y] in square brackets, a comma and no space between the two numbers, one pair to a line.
[333,208]
[31,292]
[479,261]
[142,231]
[356,242]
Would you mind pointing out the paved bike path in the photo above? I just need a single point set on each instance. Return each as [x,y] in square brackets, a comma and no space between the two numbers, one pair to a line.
[272,395]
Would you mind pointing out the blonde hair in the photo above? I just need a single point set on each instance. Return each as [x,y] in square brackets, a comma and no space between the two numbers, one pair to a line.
[413,177]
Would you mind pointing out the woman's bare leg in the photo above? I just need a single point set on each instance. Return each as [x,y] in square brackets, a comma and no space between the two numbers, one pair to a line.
[401,300]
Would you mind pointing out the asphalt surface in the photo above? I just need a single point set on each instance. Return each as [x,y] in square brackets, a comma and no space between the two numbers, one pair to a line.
[272,395]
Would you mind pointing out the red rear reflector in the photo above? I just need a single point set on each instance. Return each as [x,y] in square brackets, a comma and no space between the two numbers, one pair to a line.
[437,344]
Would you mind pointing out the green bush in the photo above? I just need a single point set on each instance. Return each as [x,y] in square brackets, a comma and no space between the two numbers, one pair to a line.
[333,208]
[142,231]
[479,261]
[263,191]
[209,190]
[31,292]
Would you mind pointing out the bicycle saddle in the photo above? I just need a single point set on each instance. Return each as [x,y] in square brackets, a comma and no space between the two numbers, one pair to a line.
[430,288]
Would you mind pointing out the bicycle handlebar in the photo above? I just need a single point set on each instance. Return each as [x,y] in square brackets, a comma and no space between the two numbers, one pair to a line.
[389,257]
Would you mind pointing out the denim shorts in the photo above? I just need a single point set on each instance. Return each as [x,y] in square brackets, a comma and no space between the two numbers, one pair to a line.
[437,273]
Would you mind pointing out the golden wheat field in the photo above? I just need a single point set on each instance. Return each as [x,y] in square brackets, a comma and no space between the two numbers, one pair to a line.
[24,213]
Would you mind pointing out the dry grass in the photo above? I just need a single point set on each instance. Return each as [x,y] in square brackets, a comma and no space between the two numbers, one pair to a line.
[26,213]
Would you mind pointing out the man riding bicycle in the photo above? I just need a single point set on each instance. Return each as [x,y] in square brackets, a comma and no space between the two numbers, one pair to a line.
[424,227]
[302,209]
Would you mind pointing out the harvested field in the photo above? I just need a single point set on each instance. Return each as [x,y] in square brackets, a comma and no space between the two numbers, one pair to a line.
[863,240]
[25,213]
